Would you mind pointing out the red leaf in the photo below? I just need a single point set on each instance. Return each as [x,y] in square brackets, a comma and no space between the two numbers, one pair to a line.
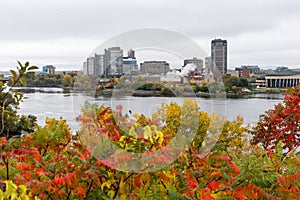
[213,185]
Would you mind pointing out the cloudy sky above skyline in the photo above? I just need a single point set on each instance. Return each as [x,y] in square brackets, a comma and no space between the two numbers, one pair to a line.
[65,32]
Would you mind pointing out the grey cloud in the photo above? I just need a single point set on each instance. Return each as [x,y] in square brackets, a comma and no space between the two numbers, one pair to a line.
[251,27]
[51,19]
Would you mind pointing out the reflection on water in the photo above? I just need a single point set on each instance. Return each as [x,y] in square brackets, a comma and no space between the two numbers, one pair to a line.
[67,105]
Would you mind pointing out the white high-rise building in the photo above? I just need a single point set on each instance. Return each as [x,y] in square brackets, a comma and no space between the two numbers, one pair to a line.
[113,61]
[91,66]
[99,65]
[85,68]
[108,64]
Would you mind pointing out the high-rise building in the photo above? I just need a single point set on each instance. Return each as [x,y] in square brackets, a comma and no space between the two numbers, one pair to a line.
[219,55]
[85,67]
[91,66]
[99,64]
[108,64]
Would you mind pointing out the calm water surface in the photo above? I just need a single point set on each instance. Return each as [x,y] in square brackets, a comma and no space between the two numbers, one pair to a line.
[55,103]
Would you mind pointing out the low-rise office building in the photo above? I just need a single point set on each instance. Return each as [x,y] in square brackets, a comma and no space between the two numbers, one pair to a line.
[154,67]
[282,79]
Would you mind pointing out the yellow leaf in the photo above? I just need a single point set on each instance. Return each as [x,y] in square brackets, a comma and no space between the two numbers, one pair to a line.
[105,184]
[159,137]
[111,194]
[23,188]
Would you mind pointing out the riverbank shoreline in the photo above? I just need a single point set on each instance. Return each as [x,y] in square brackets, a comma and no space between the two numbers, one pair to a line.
[108,93]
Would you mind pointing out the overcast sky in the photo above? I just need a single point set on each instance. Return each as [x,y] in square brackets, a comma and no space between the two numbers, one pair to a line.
[65,32]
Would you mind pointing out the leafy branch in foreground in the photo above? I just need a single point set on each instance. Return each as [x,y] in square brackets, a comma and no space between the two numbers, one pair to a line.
[10,99]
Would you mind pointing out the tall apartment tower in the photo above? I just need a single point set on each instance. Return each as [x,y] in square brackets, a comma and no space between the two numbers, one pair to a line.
[99,65]
[219,55]
[91,66]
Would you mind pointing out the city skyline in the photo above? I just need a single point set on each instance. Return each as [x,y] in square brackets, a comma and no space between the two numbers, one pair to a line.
[64,33]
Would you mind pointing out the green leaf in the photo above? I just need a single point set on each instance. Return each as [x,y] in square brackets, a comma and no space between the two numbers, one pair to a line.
[13,72]
[22,70]
[175,195]
[20,64]
[32,68]
[23,81]
[30,73]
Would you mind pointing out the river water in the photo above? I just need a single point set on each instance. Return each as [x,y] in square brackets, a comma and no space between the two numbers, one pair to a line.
[53,102]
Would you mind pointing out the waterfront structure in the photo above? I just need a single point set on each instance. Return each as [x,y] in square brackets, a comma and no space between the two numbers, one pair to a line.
[260,81]
[281,69]
[154,78]
[219,55]
[246,71]
[282,80]
[49,69]
[172,76]
[234,73]
[129,65]
[154,67]
[242,72]
[195,61]
[253,69]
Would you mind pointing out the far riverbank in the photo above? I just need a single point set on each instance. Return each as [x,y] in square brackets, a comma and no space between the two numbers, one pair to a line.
[108,93]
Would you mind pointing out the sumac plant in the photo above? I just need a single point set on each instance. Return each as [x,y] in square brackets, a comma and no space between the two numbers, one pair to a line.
[100,162]
[282,123]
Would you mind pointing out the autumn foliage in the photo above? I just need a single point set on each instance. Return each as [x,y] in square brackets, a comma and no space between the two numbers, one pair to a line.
[281,123]
[116,156]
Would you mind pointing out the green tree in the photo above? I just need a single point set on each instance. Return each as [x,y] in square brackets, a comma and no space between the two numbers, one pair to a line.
[234,84]
[244,82]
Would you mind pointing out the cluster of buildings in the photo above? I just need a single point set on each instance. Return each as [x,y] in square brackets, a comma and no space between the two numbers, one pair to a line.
[49,69]
[281,77]
[112,63]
